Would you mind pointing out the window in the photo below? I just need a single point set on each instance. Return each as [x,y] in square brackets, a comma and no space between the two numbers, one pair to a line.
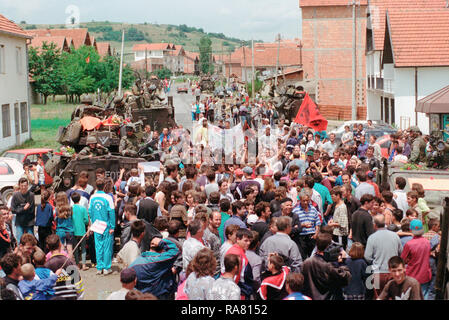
[2,59]
[19,60]
[24,116]
[6,121]
[5,169]
[393,111]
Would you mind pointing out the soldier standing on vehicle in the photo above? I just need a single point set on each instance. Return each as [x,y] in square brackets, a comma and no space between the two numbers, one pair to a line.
[418,145]
[93,149]
[129,144]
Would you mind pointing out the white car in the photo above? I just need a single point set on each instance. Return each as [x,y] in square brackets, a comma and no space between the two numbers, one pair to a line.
[10,172]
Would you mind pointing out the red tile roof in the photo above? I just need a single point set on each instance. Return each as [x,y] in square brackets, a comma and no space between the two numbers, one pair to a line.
[9,27]
[79,36]
[152,46]
[327,3]
[60,42]
[104,49]
[419,38]
[378,9]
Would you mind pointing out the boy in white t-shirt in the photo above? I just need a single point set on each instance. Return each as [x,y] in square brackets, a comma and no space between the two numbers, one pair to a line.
[399,157]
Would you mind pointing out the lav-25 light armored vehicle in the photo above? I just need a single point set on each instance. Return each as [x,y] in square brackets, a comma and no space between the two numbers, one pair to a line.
[434,177]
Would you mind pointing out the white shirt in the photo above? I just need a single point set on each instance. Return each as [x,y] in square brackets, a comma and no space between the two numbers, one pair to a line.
[190,248]
[118,295]
[129,253]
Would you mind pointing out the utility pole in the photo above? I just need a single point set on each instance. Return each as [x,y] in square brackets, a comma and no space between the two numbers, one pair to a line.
[354,5]
[244,62]
[254,74]
[146,65]
[121,65]
[278,39]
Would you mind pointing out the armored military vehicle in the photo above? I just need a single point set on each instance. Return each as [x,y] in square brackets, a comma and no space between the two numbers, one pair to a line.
[287,100]
[207,84]
[65,169]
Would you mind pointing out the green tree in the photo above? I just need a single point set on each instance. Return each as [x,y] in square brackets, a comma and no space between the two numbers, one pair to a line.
[45,68]
[163,73]
[205,46]
[81,70]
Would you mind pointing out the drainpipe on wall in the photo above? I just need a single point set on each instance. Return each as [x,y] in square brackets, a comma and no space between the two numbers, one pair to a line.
[416,95]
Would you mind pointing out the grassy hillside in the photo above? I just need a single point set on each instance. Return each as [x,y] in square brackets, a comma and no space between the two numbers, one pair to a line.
[188,37]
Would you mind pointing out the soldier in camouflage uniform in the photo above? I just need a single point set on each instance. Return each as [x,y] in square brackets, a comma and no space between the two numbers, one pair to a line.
[129,144]
[93,149]
[418,145]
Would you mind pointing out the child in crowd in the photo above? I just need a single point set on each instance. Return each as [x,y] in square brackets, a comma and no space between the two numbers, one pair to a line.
[273,284]
[357,266]
[44,219]
[41,271]
[35,289]
[294,285]
[80,220]
[64,222]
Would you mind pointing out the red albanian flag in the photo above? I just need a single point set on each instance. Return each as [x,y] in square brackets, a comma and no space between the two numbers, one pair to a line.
[309,115]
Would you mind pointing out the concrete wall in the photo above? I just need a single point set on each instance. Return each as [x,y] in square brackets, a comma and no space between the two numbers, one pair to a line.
[14,89]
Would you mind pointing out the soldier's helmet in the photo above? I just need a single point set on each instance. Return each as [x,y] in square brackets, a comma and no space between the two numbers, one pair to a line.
[152,87]
[86,99]
[414,129]
[117,100]
[91,140]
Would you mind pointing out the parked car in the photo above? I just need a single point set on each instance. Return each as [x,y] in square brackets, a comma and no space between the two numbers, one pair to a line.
[31,155]
[10,172]
[182,89]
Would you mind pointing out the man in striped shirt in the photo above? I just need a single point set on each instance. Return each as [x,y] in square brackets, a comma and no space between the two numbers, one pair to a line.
[309,223]
[101,207]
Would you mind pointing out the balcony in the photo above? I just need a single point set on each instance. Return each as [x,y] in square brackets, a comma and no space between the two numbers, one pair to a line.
[378,83]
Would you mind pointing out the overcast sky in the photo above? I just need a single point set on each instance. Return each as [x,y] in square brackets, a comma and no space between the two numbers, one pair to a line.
[244,19]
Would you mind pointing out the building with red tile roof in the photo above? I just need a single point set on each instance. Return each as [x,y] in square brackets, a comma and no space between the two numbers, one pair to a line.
[60,41]
[104,49]
[8,27]
[407,58]
[152,64]
[191,62]
[15,125]
[79,36]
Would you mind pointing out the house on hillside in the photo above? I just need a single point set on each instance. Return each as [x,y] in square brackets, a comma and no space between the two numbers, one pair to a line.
[327,55]
[15,124]
[407,58]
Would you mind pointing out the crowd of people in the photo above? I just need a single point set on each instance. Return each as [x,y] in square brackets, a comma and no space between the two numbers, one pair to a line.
[308,222]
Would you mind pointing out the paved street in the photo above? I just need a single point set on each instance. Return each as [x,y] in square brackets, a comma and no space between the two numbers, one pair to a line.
[182,104]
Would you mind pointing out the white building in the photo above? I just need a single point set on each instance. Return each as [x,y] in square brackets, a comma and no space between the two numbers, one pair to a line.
[15,124]
[172,55]
[407,58]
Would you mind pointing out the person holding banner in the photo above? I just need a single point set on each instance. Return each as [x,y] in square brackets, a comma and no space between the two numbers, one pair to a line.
[102,208]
